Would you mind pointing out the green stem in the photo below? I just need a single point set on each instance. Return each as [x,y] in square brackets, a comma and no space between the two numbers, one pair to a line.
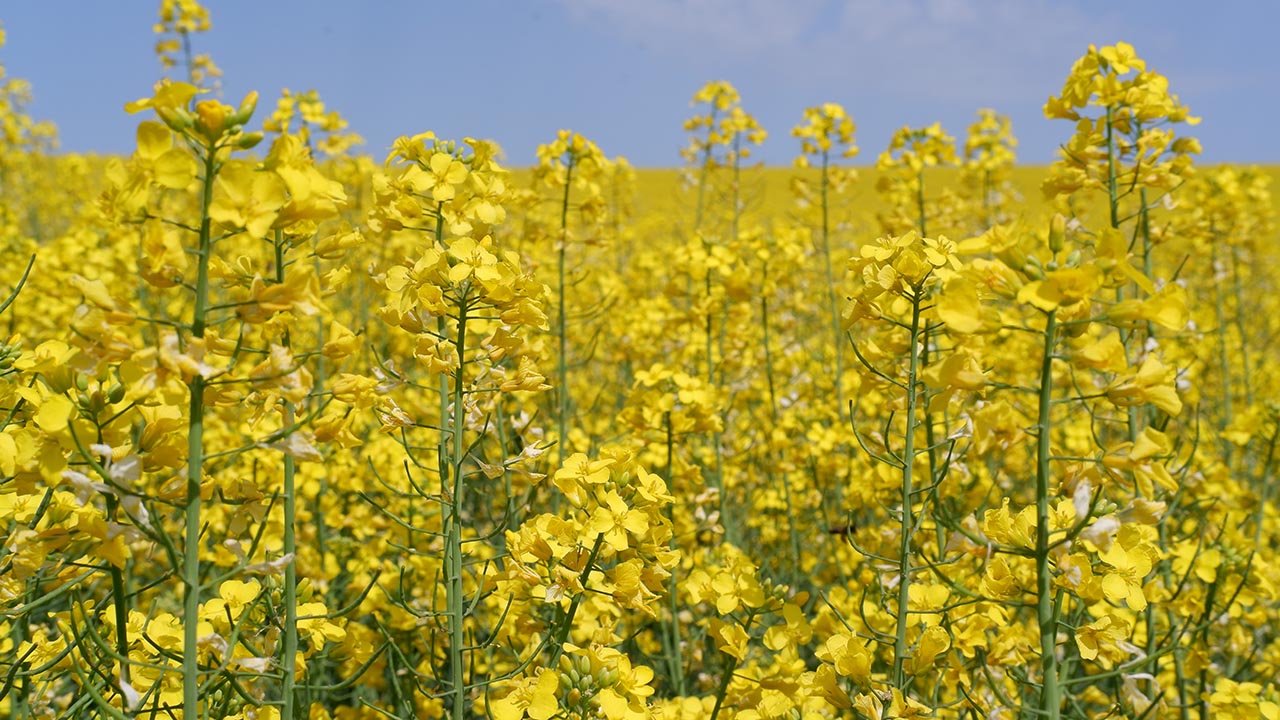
[833,302]
[566,624]
[907,519]
[675,659]
[773,415]
[453,529]
[1224,366]
[727,678]
[120,599]
[1113,203]
[562,362]
[703,173]
[1046,606]
[195,462]
[921,218]
[1246,382]
[288,663]
[1264,491]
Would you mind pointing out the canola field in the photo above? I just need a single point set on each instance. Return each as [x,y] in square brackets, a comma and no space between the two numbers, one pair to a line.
[290,432]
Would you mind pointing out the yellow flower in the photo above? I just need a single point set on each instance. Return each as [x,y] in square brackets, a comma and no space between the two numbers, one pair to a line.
[531,697]
[248,198]
[1101,635]
[849,656]
[1122,58]
[1131,560]
[440,176]
[959,307]
[170,167]
[1153,382]
[1061,287]
[933,642]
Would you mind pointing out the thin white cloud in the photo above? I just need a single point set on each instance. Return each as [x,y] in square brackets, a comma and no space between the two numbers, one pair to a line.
[732,26]
[939,49]
[999,50]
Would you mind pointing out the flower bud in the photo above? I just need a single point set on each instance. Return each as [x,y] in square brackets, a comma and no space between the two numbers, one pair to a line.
[248,140]
[59,379]
[1033,268]
[1057,233]
[211,119]
[245,111]
[178,119]
[1013,256]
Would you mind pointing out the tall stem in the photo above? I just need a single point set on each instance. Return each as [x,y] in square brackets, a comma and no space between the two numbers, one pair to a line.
[1113,201]
[1224,366]
[119,598]
[833,303]
[1046,610]
[731,665]
[930,444]
[675,659]
[907,519]
[562,362]
[770,475]
[453,527]
[1238,288]
[195,462]
[288,663]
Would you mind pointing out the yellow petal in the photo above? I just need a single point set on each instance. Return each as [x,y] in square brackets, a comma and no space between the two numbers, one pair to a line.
[175,169]
[613,704]
[54,414]
[8,454]
[154,140]
[959,307]
[543,704]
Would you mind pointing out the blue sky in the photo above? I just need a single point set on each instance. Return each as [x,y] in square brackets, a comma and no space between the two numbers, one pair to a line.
[622,71]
